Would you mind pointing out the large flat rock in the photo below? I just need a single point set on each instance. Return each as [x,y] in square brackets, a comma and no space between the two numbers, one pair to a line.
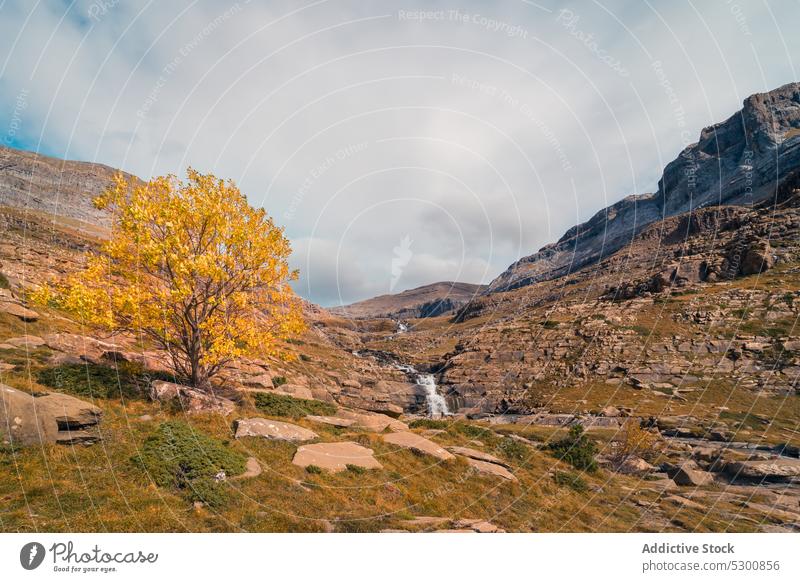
[335,456]
[491,469]
[373,422]
[331,420]
[418,444]
[766,469]
[273,430]
[478,455]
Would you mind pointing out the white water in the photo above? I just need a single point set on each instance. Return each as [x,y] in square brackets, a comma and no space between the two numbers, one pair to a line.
[437,405]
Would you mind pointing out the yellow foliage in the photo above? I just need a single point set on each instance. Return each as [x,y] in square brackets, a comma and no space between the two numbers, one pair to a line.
[192,266]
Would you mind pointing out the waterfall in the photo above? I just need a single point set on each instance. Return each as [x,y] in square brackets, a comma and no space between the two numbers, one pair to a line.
[437,405]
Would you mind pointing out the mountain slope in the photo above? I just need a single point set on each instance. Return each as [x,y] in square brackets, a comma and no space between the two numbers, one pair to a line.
[426,301]
[735,162]
[53,187]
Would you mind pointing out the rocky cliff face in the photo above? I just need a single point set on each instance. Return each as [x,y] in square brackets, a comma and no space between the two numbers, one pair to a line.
[33,182]
[737,162]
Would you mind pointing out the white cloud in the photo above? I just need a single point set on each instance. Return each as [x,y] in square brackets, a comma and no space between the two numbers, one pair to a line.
[481,135]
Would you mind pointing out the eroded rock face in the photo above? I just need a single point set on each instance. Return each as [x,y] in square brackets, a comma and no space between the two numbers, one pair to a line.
[733,162]
[273,430]
[336,456]
[28,420]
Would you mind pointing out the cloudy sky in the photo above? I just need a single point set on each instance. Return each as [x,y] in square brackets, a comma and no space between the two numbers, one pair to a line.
[400,143]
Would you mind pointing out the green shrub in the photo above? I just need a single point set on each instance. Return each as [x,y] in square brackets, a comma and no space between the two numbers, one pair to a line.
[181,457]
[4,284]
[357,469]
[283,405]
[278,381]
[429,423]
[513,449]
[571,480]
[126,380]
[305,358]
[313,469]
[576,449]
[473,431]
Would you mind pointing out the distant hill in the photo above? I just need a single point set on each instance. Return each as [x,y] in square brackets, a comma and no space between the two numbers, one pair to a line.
[53,187]
[426,301]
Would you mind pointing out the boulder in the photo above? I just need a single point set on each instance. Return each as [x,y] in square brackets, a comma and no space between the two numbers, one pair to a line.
[27,419]
[478,455]
[689,474]
[191,400]
[335,456]
[491,469]
[418,444]
[635,466]
[273,430]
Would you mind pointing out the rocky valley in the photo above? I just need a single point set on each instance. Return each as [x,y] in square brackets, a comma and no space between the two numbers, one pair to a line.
[659,338]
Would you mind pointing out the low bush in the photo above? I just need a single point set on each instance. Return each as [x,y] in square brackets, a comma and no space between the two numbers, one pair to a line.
[357,469]
[429,423]
[513,449]
[571,480]
[283,405]
[576,449]
[278,381]
[4,284]
[181,457]
[126,380]
[313,469]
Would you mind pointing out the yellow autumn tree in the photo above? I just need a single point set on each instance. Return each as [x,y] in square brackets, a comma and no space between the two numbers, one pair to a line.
[190,266]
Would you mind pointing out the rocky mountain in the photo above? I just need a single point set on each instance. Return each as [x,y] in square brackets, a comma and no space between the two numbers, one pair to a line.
[53,187]
[736,162]
[426,301]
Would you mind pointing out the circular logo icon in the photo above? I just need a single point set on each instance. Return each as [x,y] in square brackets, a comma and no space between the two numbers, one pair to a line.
[31,555]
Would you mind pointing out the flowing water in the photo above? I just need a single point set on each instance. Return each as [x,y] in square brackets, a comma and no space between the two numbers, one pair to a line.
[437,405]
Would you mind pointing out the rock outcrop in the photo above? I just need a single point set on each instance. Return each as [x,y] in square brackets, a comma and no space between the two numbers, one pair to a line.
[36,419]
[739,161]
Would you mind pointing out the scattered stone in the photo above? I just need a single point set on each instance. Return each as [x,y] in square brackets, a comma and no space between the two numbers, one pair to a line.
[273,430]
[336,456]
[635,466]
[477,525]
[478,455]
[191,400]
[684,502]
[688,474]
